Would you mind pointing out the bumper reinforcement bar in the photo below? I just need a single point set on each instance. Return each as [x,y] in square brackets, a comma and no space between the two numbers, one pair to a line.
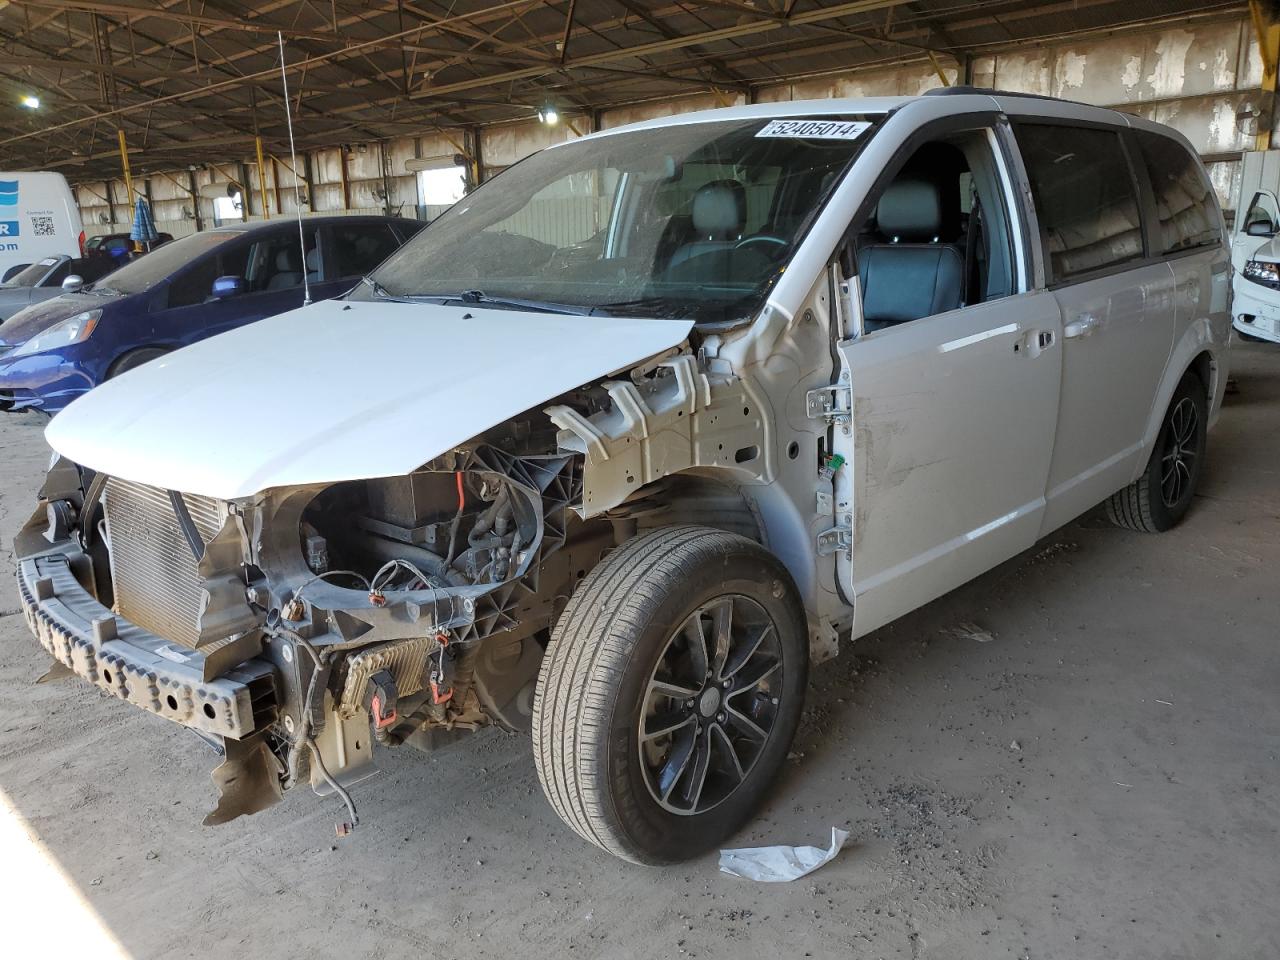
[128,662]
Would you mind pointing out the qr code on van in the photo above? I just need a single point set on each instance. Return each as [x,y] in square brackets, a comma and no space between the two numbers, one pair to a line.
[43,227]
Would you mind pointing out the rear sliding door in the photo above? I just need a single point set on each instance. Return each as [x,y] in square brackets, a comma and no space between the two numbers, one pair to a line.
[1117,304]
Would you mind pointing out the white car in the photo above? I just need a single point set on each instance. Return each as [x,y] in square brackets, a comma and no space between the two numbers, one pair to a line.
[1255,254]
[631,436]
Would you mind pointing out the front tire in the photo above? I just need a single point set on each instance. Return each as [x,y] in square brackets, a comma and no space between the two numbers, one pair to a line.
[134,359]
[1159,499]
[670,693]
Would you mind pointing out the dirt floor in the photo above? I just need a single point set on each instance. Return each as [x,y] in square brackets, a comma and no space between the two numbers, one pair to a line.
[1074,756]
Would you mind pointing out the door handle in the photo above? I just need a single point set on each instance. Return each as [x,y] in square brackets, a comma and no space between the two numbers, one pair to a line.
[1033,343]
[1081,326]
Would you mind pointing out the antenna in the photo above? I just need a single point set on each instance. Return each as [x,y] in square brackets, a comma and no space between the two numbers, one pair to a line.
[293,159]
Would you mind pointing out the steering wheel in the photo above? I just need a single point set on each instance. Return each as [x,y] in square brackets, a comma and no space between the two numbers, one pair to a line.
[761,238]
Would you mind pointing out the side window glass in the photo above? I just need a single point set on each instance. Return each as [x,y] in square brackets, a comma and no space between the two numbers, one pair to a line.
[939,237]
[1263,217]
[194,285]
[235,262]
[1085,197]
[58,275]
[275,262]
[358,248]
[1184,197]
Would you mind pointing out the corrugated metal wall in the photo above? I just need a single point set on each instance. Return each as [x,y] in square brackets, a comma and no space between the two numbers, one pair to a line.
[1196,79]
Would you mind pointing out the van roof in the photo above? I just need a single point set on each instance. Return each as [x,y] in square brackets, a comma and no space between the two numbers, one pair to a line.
[968,99]
[288,220]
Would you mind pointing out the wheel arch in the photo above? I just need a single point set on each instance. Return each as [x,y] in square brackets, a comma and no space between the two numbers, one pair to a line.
[1198,352]
[112,366]
[733,500]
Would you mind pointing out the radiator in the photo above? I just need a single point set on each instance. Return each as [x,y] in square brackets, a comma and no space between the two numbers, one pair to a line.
[152,567]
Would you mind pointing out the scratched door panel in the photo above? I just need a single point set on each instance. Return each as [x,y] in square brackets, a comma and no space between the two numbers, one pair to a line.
[953,432]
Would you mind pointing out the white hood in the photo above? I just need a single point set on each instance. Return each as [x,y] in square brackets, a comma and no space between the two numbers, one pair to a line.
[339,391]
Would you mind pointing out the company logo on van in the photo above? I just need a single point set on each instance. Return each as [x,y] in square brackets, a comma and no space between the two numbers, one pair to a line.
[8,193]
[8,228]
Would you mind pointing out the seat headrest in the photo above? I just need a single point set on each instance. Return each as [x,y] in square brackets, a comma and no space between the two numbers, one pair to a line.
[287,259]
[313,259]
[910,211]
[720,207]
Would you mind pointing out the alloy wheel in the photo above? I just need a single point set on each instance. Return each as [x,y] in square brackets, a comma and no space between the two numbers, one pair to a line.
[710,705]
[1181,449]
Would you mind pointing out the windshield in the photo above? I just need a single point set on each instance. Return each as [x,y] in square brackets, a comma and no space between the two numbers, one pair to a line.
[148,270]
[30,276]
[691,220]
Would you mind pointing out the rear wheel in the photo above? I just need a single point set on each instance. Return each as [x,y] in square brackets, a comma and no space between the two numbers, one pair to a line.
[670,693]
[133,359]
[1158,499]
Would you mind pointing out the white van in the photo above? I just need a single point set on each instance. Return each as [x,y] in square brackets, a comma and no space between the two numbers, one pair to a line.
[38,218]
[633,434]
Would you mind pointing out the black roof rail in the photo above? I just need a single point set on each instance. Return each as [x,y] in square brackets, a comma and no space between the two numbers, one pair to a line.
[991,92]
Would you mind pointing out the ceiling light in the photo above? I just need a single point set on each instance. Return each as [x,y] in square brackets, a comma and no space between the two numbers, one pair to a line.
[549,115]
[30,102]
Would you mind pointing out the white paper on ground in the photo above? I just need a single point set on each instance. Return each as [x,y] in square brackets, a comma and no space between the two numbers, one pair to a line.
[779,864]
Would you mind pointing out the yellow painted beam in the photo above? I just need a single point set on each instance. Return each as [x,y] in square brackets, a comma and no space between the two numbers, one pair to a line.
[124,166]
[262,179]
[937,68]
[1268,34]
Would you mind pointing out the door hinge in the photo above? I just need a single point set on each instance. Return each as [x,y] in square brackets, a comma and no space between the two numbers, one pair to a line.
[838,538]
[832,403]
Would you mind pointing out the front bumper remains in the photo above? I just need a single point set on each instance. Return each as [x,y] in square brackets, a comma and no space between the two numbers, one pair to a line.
[1255,310]
[42,381]
[135,665]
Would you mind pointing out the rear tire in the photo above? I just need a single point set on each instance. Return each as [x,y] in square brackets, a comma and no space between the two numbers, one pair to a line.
[134,359]
[1159,499]
[645,746]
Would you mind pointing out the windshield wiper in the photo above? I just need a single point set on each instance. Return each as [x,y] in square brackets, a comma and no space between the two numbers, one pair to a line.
[674,311]
[480,298]
[378,289]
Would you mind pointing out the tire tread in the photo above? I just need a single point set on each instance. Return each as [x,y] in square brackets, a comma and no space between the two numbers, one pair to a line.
[591,645]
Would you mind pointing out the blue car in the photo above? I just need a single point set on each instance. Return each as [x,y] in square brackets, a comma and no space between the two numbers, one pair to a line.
[185,291]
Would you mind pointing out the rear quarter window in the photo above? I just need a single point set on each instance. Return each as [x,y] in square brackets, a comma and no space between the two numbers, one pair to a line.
[1185,205]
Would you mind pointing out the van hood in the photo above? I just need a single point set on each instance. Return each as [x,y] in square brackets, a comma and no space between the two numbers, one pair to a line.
[29,321]
[339,391]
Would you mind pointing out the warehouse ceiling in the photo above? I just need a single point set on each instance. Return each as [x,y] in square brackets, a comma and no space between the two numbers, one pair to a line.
[190,81]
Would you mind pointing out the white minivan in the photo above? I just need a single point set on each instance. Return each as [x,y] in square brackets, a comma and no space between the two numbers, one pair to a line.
[632,434]
[38,218]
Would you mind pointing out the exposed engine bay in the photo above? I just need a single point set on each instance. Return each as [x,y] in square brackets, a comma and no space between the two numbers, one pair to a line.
[315,621]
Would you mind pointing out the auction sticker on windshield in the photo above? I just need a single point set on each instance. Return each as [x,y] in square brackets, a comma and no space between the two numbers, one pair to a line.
[815,129]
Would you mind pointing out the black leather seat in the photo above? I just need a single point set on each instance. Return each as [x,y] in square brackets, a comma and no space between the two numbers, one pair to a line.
[718,216]
[910,272]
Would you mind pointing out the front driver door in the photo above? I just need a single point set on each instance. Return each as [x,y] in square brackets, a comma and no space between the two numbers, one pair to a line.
[952,421]
[272,267]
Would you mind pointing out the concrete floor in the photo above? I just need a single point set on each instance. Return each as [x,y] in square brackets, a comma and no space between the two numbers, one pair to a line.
[1097,780]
